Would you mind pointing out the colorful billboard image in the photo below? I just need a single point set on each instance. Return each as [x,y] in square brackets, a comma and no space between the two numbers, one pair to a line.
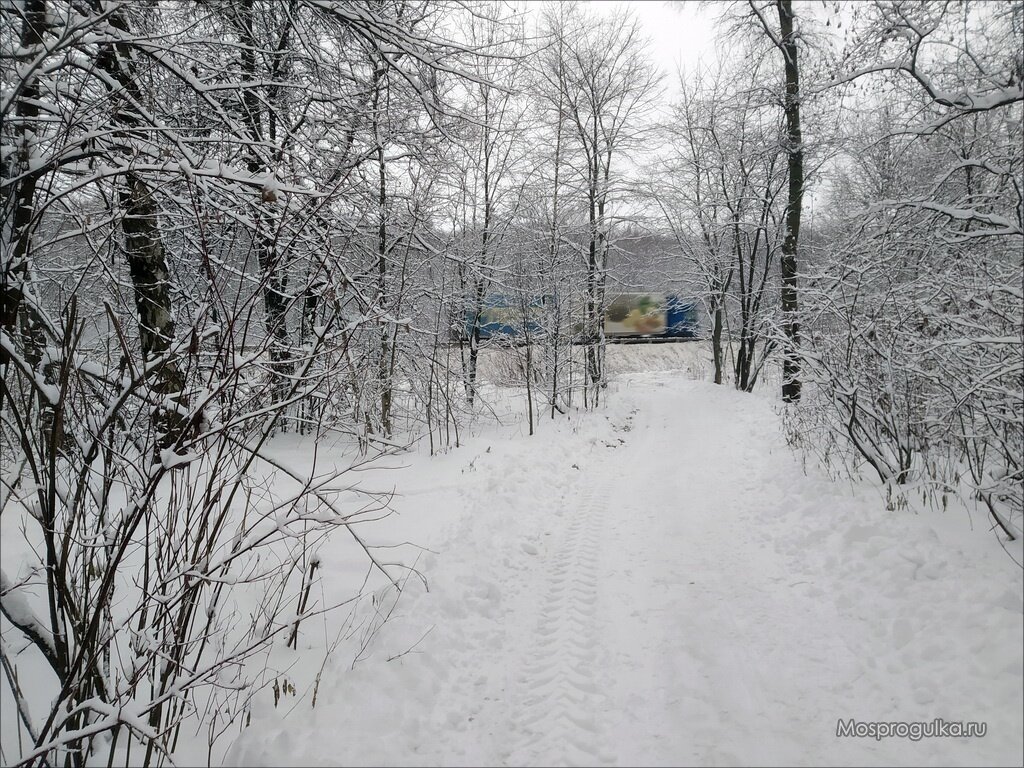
[636,314]
[503,316]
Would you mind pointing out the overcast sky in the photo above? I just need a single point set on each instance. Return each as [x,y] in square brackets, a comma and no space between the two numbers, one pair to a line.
[680,32]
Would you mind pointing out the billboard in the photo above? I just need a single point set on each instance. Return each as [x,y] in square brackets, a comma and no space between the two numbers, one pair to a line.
[502,315]
[636,314]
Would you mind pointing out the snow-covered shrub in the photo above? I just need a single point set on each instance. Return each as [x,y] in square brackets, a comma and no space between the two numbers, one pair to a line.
[914,309]
[149,575]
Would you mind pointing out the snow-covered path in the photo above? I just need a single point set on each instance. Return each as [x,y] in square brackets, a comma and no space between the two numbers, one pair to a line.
[660,584]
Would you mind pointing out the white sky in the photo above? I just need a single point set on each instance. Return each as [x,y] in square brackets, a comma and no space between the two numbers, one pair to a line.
[680,32]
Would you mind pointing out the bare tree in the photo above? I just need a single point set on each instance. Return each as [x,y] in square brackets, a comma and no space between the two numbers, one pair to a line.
[720,186]
[605,84]
[494,167]
[785,39]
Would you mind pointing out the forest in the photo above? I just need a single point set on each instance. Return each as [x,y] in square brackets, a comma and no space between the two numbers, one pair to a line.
[232,223]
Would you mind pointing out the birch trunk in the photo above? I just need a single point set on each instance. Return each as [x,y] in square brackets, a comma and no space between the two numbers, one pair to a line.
[145,254]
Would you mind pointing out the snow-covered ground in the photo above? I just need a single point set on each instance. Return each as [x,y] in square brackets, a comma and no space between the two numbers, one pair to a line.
[656,583]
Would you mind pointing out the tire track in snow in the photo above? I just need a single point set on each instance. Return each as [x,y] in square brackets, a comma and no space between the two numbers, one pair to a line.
[557,708]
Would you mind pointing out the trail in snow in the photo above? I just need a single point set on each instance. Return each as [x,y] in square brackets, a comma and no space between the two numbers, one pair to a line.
[659,584]
[559,697]
[703,618]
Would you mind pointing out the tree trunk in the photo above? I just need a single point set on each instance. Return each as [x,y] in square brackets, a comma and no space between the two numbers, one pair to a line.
[18,207]
[554,246]
[794,208]
[384,371]
[485,239]
[147,264]
[275,278]
[474,340]
[594,330]
[18,202]
[716,341]
[147,261]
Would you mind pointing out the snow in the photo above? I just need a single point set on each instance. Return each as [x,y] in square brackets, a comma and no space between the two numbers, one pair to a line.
[16,609]
[656,583]
[171,459]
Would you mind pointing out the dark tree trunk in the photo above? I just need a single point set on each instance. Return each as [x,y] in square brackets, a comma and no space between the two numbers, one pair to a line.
[18,209]
[384,372]
[147,260]
[554,315]
[716,341]
[595,335]
[151,281]
[474,340]
[485,241]
[19,201]
[274,275]
[794,208]
[275,311]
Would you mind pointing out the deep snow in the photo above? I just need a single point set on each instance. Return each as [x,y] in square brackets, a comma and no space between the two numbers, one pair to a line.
[655,583]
